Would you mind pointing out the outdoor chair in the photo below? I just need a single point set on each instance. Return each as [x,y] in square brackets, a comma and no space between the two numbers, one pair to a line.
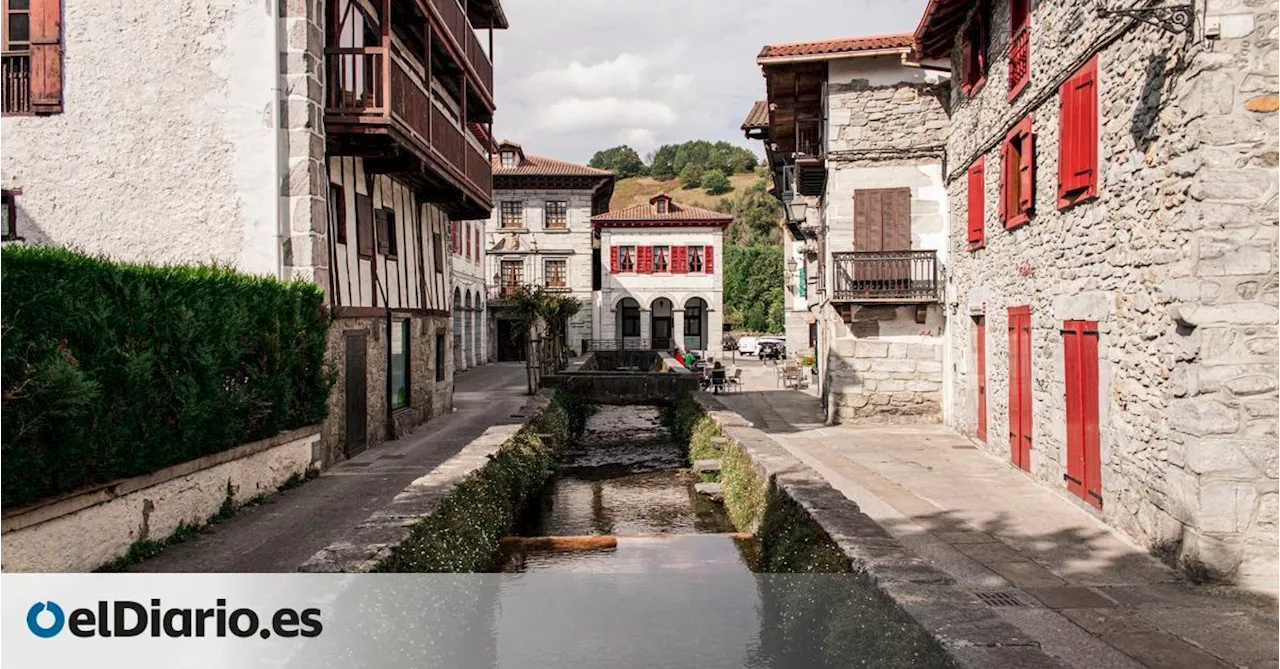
[791,375]
[717,381]
[734,380]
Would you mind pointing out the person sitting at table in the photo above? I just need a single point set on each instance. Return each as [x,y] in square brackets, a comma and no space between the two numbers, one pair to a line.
[717,378]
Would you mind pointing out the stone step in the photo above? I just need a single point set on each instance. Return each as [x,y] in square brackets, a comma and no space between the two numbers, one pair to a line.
[706,466]
[712,490]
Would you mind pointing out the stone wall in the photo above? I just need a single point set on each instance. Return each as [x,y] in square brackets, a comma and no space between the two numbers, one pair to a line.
[428,398]
[894,378]
[1175,259]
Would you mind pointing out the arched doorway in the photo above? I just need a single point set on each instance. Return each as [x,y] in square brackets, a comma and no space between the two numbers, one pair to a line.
[660,324]
[466,333]
[477,336]
[695,324]
[628,322]
[457,328]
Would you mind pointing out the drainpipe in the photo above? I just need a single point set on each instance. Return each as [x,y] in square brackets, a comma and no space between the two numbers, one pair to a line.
[280,150]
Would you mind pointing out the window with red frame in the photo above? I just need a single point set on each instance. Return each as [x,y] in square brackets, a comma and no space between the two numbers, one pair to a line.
[973,50]
[1078,130]
[977,205]
[661,254]
[1019,45]
[1017,176]
[624,259]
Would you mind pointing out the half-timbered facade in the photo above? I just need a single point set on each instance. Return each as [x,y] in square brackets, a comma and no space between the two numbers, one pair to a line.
[1113,261]
[540,235]
[329,141]
[661,282]
[854,135]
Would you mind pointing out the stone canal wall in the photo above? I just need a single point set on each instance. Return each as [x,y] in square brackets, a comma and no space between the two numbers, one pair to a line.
[954,617]
[596,379]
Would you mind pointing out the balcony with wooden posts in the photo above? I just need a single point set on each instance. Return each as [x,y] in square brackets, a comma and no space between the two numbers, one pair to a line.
[894,277]
[411,109]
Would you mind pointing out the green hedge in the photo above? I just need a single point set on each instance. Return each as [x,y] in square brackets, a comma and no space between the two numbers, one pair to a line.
[113,370]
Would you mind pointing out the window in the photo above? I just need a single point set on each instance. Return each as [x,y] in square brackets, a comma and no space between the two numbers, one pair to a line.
[1084,461]
[437,251]
[624,259]
[479,248]
[512,276]
[976,205]
[1019,46]
[555,273]
[512,215]
[364,225]
[32,44]
[1078,130]
[509,159]
[692,320]
[386,232]
[661,205]
[557,214]
[973,51]
[661,258]
[466,233]
[882,219]
[1017,176]
[695,258]
[400,364]
[644,259]
[439,357]
[9,209]
[338,213]
[630,319]
[679,259]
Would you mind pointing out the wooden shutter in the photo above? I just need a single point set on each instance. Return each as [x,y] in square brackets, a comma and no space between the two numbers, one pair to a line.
[644,259]
[1006,154]
[364,225]
[861,220]
[882,219]
[46,56]
[1026,168]
[967,75]
[709,259]
[1080,354]
[897,220]
[613,259]
[679,260]
[980,367]
[1020,386]
[976,203]
[1078,143]
[380,230]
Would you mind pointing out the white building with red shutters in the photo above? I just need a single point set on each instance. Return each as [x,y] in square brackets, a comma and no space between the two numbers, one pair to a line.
[661,286]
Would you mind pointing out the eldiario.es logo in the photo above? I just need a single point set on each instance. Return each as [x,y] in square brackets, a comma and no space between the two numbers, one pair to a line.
[124,618]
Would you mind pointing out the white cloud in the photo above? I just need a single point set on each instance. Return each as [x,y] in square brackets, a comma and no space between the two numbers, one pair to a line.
[624,74]
[640,139]
[607,113]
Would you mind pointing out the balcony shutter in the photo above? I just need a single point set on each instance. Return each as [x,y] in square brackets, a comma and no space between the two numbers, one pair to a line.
[1005,156]
[364,224]
[644,259]
[1078,125]
[46,56]
[976,202]
[380,228]
[1027,170]
[897,220]
[613,259]
[679,260]
[709,259]
[967,76]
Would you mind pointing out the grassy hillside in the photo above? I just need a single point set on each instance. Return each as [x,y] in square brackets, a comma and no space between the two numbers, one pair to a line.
[637,190]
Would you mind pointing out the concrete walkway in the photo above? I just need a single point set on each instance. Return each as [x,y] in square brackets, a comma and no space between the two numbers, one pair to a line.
[1084,591]
[286,530]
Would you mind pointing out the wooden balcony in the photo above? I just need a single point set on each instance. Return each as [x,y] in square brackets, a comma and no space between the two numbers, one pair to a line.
[1019,60]
[465,45]
[376,107]
[17,82]
[810,158]
[909,277]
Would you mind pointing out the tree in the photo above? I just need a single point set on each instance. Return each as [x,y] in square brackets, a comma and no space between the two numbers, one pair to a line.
[715,182]
[540,312]
[691,176]
[753,287]
[756,215]
[662,165]
[622,160]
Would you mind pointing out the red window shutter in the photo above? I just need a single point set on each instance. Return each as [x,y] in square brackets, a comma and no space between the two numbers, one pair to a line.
[679,260]
[709,259]
[46,56]
[613,259]
[1026,169]
[1078,125]
[1080,354]
[1005,157]
[967,75]
[976,203]
[644,259]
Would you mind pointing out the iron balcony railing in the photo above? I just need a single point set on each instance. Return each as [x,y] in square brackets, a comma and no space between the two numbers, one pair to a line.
[885,276]
[17,83]
[629,344]
[809,142]
[1019,58]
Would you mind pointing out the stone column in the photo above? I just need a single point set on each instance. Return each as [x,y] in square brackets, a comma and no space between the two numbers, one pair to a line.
[646,327]
[677,327]
[713,334]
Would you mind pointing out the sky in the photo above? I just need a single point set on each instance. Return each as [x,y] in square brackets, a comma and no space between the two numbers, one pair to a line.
[577,76]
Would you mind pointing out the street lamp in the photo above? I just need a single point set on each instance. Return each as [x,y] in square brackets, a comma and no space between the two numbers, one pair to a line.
[796,210]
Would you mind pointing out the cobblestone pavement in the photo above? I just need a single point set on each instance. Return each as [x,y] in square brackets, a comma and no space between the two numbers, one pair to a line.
[1089,595]
[283,532]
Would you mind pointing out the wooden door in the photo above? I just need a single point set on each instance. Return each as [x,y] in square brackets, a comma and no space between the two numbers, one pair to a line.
[1084,466]
[882,222]
[980,369]
[356,388]
[661,332]
[1020,386]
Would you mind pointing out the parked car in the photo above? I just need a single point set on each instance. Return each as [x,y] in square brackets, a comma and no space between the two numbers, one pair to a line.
[747,345]
[769,350]
[779,341]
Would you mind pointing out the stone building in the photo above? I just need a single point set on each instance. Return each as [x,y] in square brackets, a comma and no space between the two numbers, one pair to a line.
[662,287]
[1113,280]
[855,134]
[540,234]
[323,140]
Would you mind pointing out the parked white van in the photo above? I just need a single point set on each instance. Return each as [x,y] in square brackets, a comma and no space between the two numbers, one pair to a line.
[747,345]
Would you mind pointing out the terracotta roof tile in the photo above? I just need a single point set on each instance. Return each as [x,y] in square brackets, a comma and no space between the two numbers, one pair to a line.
[540,166]
[838,46]
[758,117]
[675,212]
